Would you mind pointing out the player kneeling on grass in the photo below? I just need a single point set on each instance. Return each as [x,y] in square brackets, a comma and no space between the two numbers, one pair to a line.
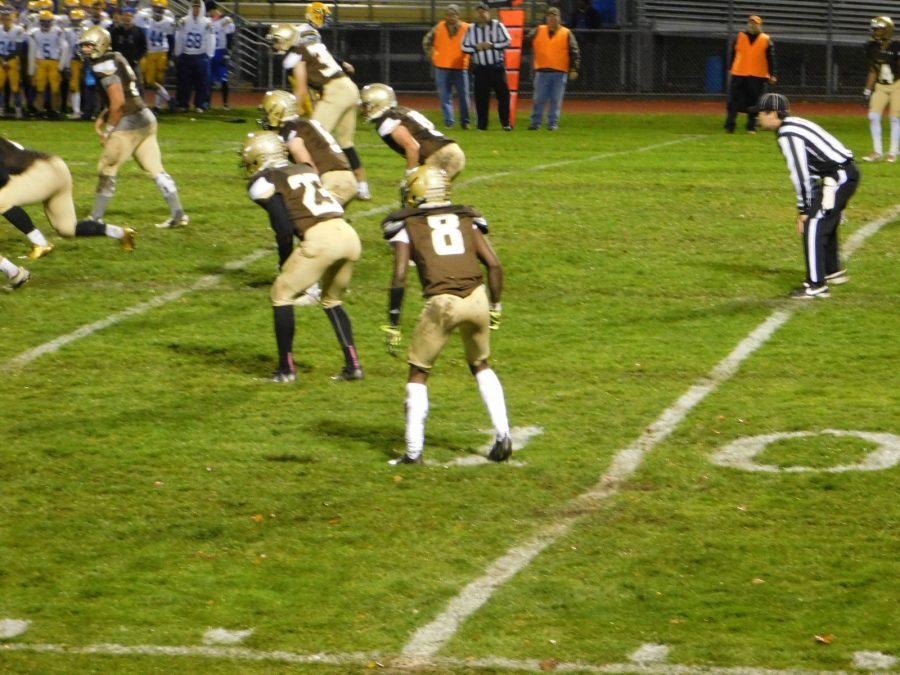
[410,133]
[447,243]
[31,177]
[18,276]
[825,177]
[126,127]
[297,203]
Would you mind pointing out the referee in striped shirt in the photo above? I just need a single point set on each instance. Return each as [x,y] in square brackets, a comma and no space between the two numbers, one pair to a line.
[825,176]
[486,40]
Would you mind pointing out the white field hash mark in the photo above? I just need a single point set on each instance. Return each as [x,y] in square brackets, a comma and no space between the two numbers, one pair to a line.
[209,281]
[431,638]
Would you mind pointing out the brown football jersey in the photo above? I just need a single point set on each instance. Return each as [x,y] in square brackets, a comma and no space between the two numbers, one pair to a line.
[430,140]
[442,244]
[16,159]
[880,55]
[325,151]
[112,67]
[307,202]
[321,67]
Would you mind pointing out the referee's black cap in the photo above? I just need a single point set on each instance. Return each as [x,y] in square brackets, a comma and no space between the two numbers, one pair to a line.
[772,103]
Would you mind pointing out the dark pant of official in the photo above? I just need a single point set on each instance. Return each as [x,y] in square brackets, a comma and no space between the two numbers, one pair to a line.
[488,78]
[743,93]
[820,237]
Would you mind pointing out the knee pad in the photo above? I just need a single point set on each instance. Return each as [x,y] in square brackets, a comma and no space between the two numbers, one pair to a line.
[106,186]
[352,157]
[166,184]
[874,116]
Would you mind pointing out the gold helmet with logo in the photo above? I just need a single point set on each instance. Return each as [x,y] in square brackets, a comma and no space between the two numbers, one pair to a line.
[375,100]
[262,149]
[77,15]
[426,184]
[282,36]
[278,106]
[94,42]
[318,14]
[882,27]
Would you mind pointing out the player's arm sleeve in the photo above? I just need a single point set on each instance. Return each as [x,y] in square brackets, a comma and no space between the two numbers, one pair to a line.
[503,38]
[4,175]
[489,259]
[770,59]
[795,155]
[280,220]
[468,43]
[574,53]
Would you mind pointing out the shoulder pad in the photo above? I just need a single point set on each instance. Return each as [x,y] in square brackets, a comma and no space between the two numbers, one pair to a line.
[396,221]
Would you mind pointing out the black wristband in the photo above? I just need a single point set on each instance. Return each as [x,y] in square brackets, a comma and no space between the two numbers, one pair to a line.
[396,304]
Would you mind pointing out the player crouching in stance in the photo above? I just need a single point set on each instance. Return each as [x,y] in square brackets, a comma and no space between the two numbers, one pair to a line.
[30,177]
[409,132]
[297,203]
[126,127]
[18,276]
[825,177]
[447,243]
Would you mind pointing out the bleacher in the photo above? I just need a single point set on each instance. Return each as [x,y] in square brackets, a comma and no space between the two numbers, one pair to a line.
[352,11]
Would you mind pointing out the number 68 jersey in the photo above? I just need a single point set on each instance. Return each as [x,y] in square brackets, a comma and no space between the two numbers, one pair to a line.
[307,202]
[442,244]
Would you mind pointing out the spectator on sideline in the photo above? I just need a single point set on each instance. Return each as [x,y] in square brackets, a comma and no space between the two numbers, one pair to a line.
[487,41]
[443,45]
[556,60]
[194,46]
[129,40]
[752,67]
[224,28]
[585,16]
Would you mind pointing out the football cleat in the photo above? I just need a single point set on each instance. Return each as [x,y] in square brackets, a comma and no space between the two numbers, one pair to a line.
[502,450]
[177,221]
[364,194]
[810,292]
[406,459]
[21,278]
[891,158]
[284,376]
[349,375]
[873,157]
[128,241]
[38,251]
[839,277]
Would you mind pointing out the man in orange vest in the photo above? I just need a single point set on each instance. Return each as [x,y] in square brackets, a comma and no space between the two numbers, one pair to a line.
[556,61]
[752,68]
[443,45]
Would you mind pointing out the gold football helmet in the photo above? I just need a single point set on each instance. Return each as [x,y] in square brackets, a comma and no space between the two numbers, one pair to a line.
[77,15]
[46,18]
[882,27]
[426,184]
[159,3]
[375,100]
[318,14]
[262,149]
[94,42]
[72,5]
[282,36]
[278,106]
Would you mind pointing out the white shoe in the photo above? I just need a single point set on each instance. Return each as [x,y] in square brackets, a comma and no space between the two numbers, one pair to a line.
[891,158]
[179,221]
[364,194]
[874,157]
[21,278]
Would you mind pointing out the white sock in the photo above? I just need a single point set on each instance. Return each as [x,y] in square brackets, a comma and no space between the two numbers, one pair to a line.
[895,134]
[37,238]
[10,269]
[492,395]
[875,128]
[76,103]
[162,93]
[416,414]
[115,232]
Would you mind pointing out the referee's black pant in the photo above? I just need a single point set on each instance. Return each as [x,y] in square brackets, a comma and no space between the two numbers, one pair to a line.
[820,237]
[489,78]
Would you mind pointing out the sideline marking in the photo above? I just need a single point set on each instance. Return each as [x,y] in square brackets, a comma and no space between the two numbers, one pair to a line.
[10,628]
[375,660]
[741,453]
[211,280]
[874,660]
[431,638]
[650,652]
[223,636]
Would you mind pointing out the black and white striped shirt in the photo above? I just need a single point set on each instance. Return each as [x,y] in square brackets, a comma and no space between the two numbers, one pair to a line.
[812,154]
[493,32]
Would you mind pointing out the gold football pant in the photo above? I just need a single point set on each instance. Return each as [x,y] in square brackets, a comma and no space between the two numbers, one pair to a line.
[47,73]
[9,72]
[336,109]
[154,67]
[326,254]
[46,182]
[75,69]
[885,95]
[450,158]
[341,184]
[440,316]
[138,143]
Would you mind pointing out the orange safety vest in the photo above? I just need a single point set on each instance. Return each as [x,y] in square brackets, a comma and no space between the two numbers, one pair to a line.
[551,52]
[750,59]
[448,51]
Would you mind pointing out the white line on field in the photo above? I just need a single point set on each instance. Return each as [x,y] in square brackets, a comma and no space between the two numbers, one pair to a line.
[429,639]
[208,281]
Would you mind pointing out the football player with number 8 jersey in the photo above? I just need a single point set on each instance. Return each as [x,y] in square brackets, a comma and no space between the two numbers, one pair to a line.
[410,133]
[126,127]
[297,204]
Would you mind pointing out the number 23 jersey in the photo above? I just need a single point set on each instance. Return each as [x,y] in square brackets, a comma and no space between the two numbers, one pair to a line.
[442,243]
[307,202]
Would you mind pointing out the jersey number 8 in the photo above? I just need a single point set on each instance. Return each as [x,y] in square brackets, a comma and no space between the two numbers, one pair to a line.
[446,239]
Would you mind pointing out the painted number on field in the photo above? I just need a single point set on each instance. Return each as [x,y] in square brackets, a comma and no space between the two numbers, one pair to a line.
[742,453]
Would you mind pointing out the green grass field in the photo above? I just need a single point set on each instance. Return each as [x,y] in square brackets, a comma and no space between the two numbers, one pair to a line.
[156,485]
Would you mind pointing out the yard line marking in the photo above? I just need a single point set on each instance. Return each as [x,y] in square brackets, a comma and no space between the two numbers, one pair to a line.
[874,660]
[431,638]
[650,652]
[10,628]
[380,660]
[223,636]
[208,281]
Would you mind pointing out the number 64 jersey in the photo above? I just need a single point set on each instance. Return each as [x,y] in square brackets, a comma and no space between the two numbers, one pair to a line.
[442,244]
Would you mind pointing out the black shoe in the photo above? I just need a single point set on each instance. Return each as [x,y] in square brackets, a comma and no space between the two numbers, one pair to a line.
[464,126]
[534,127]
[406,459]
[810,292]
[349,375]
[502,450]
